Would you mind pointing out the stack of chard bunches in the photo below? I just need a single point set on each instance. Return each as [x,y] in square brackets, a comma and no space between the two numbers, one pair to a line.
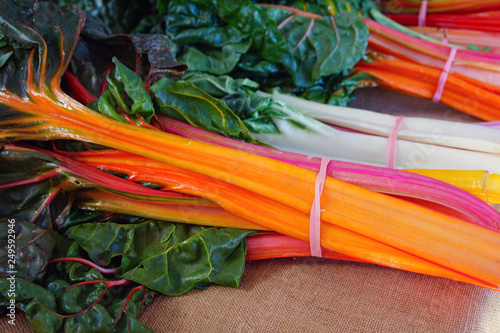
[127,175]
[469,15]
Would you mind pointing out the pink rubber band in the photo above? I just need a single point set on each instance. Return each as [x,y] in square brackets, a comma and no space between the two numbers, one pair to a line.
[315,217]
[422,13]
[444,41]
[492,124]
[393,138]
[444,75]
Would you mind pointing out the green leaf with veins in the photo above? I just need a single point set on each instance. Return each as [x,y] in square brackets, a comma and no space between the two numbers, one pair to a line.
[32,249]
[166,257]
[184,101]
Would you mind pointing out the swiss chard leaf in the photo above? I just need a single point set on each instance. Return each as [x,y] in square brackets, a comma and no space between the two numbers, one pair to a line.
[211,45]
[147,55]
[321,46]
[166,257]
[32,189]
[32,24]
[37,302]
[126,93]
[182,100]
[121,16]
[257,112]
[30,249]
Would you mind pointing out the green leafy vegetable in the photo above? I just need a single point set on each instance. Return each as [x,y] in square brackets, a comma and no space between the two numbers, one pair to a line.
[257,112]
[166,257]
[30,249]
[35,301]
[33,189]
[147,55]
[313,48]
[321,46]
[182,100]
[126,93]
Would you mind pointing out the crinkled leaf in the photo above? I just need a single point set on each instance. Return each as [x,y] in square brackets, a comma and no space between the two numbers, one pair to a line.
[166,257]
[257,112]
[211,256]
[159,54]
[72,301]
[253,20]
[145,54]
[30,249]
[52,29]
[32,190]
[126,92]
[121,16]
[44,306]
[182,100]
[212,46]
[301,55]
[321,47]
[38,303]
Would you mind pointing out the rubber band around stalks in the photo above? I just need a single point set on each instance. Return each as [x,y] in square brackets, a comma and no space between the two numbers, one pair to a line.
[444,75]
[422,14]
[393,138]
[315,216]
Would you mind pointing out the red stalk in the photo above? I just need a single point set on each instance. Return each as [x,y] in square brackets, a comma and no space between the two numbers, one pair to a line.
[89,263]
[126,302]
[82,94]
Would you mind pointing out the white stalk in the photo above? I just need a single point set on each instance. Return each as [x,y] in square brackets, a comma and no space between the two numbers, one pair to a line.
[431,131]
[429,153]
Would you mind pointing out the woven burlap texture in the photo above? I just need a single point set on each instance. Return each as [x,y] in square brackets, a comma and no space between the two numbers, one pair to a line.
[321,295]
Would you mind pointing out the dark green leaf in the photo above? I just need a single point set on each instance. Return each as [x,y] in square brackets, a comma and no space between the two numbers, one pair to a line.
[257,112]
[166,257]
[121,16]
[321,47]
[146,54]
[253,20]
[184,101]
[38,303]
[27,249]
[33,190]
[5,57]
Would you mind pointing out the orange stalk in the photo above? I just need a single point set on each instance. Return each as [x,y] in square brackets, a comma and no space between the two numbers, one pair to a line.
[406,227]
[334,238]
[101,200]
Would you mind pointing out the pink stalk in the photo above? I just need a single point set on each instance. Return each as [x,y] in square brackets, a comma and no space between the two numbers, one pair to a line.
[51,197]
[89,263]
[478,65]
[88,174]
[31,180]
[270,245]
[464,37]
[389,181]
[129,296]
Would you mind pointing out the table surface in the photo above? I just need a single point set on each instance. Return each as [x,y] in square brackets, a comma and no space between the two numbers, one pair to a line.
[321,295]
